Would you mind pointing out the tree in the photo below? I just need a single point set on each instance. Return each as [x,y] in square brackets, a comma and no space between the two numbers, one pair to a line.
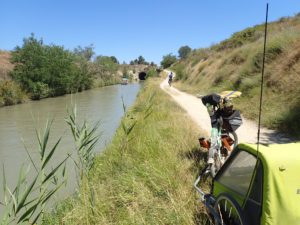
[152,64]
[114,59]
[184,51]
[141,60]
[85,52]
[106,65]
[47,70]
[168,60]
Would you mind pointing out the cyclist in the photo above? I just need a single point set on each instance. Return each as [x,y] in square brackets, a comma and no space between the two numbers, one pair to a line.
[170,78]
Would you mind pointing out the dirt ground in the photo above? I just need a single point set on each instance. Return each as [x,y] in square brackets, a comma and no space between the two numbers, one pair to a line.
[247,133]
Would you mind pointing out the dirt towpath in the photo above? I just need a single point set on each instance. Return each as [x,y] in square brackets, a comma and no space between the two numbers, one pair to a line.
[247,133]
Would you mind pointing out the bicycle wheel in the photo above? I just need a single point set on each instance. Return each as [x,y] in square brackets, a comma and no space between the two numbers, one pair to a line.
[229,211]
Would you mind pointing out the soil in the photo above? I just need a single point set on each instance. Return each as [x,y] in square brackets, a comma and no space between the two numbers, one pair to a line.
[247,132]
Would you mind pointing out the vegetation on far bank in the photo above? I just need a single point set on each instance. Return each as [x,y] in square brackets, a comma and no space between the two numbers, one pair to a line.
[145,175]
[236,64]
[36,70]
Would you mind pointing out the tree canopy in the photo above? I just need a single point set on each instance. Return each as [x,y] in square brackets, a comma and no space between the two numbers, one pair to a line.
[184,51]
[47,70]
[168,60]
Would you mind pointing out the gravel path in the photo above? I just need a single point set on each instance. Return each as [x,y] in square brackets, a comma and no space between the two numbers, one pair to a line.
[246,133]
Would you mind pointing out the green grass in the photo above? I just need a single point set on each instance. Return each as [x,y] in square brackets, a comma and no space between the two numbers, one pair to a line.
[145,176]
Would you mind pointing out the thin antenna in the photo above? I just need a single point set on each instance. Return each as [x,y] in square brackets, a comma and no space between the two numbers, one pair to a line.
[262,78]
[260,104]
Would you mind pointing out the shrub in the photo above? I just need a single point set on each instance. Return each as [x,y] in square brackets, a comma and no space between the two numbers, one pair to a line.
[239,38]
[152,72]
[180,72]
[11,93]
[184,51]
[40,66]
[168,60]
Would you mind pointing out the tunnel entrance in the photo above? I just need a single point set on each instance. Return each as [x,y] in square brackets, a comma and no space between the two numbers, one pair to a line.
[142,76]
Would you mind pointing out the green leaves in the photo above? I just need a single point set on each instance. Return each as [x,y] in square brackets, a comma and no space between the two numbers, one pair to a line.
[48,70]
[85,138]
[27,201]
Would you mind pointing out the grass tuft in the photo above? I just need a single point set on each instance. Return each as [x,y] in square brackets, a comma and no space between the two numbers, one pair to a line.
[146,175]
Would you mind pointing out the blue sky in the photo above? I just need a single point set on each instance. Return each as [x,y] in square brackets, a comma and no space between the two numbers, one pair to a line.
[129,28]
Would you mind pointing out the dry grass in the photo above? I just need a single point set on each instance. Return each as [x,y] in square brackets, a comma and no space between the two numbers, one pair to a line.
[5,65]
[239,68]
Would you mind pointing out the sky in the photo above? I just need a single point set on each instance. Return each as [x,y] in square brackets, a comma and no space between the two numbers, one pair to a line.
[127,29]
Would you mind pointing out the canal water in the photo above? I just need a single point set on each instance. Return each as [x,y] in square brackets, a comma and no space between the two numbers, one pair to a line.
[18,125]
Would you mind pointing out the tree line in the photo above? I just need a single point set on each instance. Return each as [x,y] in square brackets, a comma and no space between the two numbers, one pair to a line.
[170,59]
[51,70]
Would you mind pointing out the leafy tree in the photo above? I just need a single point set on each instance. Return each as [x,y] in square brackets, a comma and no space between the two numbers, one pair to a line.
[152,64]
[47,70]
[152,72]
[184,51]
[141,60]
[85,52]
[114,59]
[106,65]
[168,60]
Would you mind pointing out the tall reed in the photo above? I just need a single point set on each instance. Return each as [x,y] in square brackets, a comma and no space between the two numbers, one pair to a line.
[26,202]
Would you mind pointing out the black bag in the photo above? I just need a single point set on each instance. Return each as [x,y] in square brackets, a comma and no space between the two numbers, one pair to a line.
[232,122]
[212,99]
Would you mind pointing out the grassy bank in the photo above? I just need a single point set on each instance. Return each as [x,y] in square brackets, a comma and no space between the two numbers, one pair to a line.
[145,176]
[236,64]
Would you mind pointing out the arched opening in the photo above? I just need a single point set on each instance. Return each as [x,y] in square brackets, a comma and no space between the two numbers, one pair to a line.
[142,76]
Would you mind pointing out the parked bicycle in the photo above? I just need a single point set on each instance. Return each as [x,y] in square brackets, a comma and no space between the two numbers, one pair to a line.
[225,121]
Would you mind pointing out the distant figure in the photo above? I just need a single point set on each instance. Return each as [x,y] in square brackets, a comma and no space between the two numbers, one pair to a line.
[170,78]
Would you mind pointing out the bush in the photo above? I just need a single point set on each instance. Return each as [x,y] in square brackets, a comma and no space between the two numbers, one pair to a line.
[168,60]
[10,93]
[39,90]
[181,74]
[152,72]
[39,66]
[184,51]
[239,38]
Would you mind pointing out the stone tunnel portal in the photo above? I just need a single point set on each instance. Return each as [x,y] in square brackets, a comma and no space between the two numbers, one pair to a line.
[142,76]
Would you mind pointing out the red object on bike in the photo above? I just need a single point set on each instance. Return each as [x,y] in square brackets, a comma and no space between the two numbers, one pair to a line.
[204,143]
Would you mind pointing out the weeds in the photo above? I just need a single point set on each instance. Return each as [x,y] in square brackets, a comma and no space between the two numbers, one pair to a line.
[148,184]
[27,201]
[85,138]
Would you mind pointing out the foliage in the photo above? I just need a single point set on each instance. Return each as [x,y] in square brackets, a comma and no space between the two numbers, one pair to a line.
[179,69]
[85,52]
[168,60]
[240,38]
[38,66]
[184,51]
[142,177]
[27,201]
[139,61]
[236,63]
[105,66]
[152,72]
[114,59]
[85,138]
[11,93]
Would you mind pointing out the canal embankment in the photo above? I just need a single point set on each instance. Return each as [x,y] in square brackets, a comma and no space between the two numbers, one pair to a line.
[145,175]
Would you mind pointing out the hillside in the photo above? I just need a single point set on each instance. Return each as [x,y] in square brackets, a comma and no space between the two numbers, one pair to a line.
[235,63]
[5,65]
